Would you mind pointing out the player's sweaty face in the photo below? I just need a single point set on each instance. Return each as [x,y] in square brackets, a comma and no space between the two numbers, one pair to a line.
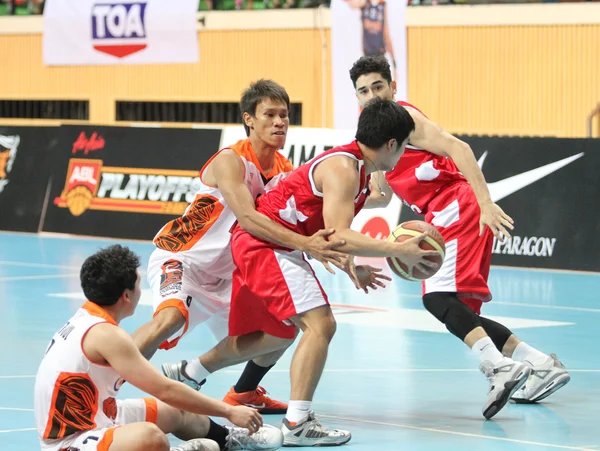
[271,122]
[373,85]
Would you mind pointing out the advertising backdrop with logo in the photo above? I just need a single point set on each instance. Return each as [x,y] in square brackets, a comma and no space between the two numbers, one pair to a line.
[550,187]
[24,174]
[364,27]
[303,144]
[86,32]
[124,182]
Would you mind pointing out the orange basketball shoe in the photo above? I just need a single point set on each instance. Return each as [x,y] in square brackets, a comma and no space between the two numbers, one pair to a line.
[257,399]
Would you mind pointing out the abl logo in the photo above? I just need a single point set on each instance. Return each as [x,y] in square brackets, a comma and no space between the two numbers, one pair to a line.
[119,29]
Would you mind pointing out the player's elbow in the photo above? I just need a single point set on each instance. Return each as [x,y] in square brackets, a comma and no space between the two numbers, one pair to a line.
[458,148]
[246,222]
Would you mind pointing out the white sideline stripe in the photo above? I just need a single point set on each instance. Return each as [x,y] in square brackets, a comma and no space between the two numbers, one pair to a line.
[17,409]
[357,370]
[36,265]
[16,430]
[445,431]
[45,276]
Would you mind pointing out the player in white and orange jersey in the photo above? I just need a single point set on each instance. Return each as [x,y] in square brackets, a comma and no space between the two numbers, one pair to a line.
[438,177]
[190,270]
[89,358]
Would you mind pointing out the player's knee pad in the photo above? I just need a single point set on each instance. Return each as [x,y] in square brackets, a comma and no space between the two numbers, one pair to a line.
[496,331]
[456,316]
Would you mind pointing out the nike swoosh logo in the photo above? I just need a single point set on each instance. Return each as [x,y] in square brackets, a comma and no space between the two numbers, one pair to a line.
[506,187]
[260,406]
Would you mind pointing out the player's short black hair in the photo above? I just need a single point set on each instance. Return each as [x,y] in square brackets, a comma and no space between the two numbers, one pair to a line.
[381,121]
[257,92]
[106,274]
[375,64]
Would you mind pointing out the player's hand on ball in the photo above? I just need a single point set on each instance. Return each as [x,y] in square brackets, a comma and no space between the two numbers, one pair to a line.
[494,217]
[246,417]
[413,256]
[322,250]
[370,277]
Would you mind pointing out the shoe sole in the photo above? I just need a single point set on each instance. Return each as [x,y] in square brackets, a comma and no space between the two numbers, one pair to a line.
[553,386]
[509,389]
[291,445]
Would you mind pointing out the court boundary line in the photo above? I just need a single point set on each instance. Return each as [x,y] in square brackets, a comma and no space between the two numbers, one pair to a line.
[16,430]
[353,370]
[445,431]
[38,277]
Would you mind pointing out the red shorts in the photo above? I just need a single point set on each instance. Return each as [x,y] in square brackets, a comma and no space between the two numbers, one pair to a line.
[269,287]
[455,213]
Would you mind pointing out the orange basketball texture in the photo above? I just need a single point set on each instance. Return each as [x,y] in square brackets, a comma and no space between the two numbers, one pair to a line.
[433,241]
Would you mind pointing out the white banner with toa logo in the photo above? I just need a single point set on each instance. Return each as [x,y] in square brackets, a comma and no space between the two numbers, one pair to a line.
[303,144]
[87,32]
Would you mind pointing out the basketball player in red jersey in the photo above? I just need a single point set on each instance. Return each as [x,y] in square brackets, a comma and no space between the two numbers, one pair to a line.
[275,291]
[438,177]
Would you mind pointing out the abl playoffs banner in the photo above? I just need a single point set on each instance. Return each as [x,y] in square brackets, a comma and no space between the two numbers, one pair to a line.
[90,32]
[364,27]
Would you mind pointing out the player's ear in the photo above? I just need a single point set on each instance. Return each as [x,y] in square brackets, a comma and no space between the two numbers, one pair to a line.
[248,120]
[392,145]
[393,86]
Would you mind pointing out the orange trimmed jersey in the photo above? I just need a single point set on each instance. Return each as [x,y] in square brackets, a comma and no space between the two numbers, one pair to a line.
[71,393]
[204,230]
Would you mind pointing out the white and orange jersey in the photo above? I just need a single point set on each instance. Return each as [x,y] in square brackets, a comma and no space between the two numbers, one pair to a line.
[204,230]
[71,393]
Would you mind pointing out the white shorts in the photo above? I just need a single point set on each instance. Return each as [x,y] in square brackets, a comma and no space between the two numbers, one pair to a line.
[128,411]
[176,282]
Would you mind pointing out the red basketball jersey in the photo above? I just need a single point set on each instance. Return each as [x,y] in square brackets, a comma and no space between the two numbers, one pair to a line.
[420,175]
[297,204]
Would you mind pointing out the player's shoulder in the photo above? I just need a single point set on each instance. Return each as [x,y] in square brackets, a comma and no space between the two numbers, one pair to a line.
[410,106]
[283,163]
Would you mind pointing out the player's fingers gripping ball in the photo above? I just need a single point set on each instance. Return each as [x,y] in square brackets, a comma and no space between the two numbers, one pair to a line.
[433,241]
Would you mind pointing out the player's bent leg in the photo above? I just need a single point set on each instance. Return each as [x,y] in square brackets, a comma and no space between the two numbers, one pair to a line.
[188,426]
[148,437]
[199,429]
[300,427]
[248,392]
[151,335]
[232,351]
[548,374]
[144,436]
[504,374]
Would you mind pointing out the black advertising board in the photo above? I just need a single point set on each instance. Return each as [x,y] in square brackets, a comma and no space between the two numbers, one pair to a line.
[551,188]
[24,174]
[124,182]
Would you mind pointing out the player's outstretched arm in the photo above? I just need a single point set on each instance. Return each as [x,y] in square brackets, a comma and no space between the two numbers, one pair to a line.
[339,181]
[109,343]
[428,135]
[228,171]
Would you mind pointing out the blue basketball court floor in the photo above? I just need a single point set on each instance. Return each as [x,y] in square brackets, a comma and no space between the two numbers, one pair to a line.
[394,376]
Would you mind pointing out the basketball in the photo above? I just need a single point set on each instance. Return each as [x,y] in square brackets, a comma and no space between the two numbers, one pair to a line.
[433,241]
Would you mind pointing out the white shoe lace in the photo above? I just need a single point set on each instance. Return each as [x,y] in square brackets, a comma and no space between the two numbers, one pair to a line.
[239,437]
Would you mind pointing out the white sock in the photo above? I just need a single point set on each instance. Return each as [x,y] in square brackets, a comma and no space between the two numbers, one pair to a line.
[298,411]
[525,352]
[195,370]
[486,350]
